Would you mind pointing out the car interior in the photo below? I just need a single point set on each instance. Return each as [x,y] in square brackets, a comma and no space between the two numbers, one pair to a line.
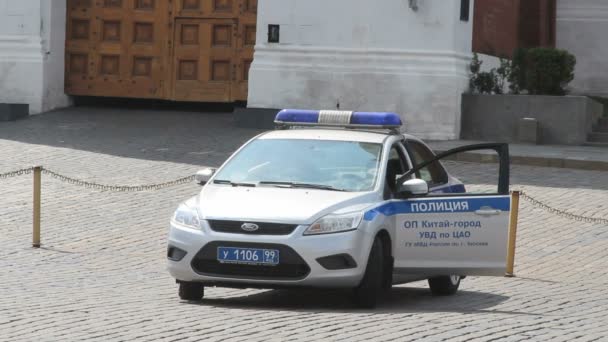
[393,169]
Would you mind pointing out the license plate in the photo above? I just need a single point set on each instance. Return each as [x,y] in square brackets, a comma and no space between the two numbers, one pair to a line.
[251,256]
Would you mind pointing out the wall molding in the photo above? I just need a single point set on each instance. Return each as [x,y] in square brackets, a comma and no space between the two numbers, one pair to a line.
[355,60]
[22,49]
[582,13]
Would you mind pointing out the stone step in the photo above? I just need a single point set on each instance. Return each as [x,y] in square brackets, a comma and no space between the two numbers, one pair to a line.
[12,112]
[601,126]
[596,144]
[598,137]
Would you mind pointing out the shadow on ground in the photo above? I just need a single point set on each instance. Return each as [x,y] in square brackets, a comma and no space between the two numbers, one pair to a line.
[183,136]
[400,300]
[523,175]
[197,135]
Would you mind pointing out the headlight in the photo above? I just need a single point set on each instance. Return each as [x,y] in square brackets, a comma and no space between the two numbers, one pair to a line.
[186,216]
[335,224]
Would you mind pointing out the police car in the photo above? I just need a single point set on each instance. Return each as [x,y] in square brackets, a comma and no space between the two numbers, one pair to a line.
[335,199]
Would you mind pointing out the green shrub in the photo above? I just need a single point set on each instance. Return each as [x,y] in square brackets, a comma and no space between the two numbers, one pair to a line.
[517,74]
[541,71]
[502,75]
[537,71]
[549,71]
[487,82]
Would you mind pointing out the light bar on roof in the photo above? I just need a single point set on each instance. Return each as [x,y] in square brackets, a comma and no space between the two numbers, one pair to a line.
[301,117]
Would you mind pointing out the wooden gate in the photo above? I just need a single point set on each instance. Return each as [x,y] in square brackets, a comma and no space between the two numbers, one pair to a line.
[184,50]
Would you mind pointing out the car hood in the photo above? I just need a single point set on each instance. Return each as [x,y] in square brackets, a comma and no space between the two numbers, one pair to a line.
[270,204]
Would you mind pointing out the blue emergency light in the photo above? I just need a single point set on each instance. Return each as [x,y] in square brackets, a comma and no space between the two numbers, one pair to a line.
[335,118]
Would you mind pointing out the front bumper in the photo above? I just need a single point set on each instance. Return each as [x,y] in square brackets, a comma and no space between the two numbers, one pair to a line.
[301,254]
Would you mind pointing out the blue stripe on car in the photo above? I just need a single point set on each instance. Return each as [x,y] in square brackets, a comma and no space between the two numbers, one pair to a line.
[439,206]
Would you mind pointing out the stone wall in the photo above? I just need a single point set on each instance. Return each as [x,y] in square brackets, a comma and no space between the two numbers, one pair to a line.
[562,119]
[368,56]
[582,29]
[31,53]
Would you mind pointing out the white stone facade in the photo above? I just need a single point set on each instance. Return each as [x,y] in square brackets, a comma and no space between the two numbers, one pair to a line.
[360,54]
[367,56]
[32,44]
[582,29]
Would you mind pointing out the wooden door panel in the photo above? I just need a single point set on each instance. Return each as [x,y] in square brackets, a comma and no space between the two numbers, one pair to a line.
[207,8]
[194,50]
[244,58]
[245,48]
[188,8]
[123,44]
[248,9]
[204,59]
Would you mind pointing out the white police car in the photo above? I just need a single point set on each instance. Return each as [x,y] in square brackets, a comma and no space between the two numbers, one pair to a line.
[337,200]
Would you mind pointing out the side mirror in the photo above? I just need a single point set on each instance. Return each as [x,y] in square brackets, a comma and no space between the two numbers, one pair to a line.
[204,175]
[413,187]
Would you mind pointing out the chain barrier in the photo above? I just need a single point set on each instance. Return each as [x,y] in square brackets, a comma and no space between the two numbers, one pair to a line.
[150,187]
[562,213]
[98,186]
[16,173]
[117,188]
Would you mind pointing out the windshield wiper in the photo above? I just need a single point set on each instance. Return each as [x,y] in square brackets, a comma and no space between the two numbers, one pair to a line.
[304,186]
[234,184]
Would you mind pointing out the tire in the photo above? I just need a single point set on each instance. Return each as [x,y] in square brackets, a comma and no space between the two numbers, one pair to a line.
[367,294]
[191,291]
[389,262]
[444,285]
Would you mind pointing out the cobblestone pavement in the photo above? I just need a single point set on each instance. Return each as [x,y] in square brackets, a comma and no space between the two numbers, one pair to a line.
[101,274]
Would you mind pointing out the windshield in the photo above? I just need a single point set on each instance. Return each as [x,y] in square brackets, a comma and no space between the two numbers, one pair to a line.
[339,165]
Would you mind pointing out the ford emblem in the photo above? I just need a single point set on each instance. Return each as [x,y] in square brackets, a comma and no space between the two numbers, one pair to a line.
[250,227]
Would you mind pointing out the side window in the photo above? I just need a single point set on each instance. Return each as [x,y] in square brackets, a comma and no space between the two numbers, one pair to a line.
[396,166]
[434,174]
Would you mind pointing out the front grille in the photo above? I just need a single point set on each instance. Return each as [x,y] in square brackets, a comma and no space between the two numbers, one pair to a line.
[291,266]
[234,227]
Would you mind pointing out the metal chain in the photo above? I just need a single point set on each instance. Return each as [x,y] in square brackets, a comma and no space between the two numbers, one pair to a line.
[16,173]
[184,180]
[560,212]
[117,188]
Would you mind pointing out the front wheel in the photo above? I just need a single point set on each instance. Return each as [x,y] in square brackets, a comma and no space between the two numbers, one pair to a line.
[444,285]
[371,287]
[191,291]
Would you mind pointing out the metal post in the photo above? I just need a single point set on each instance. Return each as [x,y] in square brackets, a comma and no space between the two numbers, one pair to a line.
[37,186]
[512,233]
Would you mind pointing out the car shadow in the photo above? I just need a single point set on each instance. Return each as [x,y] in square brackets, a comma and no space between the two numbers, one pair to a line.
[399,300]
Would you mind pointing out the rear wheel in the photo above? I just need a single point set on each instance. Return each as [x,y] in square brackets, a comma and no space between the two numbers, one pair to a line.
[444,285]
[191,291]
[371,287]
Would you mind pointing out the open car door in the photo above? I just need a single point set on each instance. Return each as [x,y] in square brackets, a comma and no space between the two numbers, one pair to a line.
[454,234]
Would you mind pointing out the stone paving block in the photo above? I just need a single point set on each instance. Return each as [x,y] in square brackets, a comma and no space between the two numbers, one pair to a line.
[101,275]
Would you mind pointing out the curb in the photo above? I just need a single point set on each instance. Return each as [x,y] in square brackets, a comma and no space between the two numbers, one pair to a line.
[564,163]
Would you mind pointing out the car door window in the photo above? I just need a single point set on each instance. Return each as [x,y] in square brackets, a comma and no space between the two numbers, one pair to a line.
[448,233]
[434,174]
[395,166]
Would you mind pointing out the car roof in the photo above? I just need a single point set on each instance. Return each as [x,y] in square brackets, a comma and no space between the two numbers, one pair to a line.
[329,134]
